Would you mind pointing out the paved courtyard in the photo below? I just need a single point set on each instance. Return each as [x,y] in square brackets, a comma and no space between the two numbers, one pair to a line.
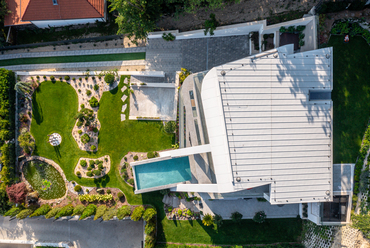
[194,54]
[87,233]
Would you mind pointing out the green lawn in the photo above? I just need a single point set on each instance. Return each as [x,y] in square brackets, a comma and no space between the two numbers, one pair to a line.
[350,95]
[55,104]
[73,59]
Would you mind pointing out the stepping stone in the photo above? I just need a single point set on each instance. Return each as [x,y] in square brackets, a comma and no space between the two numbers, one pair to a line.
[123,117]
[124,98]
[125,81]
[124,108]
[123,88]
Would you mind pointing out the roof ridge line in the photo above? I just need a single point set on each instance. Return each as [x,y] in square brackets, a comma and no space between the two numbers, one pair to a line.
[94,8]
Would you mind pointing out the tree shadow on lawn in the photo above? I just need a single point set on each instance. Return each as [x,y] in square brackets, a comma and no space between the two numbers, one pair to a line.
[37,113]
[102,182]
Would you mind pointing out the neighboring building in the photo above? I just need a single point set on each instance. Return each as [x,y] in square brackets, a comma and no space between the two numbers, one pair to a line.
[261,126]
[45,13]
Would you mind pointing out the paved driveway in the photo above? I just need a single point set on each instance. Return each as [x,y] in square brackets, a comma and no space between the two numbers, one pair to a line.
[88,233]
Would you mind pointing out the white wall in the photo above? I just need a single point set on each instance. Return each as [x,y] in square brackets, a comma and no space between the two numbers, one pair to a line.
[56,23]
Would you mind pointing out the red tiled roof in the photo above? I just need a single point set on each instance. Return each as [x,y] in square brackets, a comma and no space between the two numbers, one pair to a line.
[17,7]
[66,9]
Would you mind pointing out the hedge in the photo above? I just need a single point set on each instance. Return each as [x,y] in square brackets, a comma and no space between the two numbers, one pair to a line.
[67,210]
[109,213]
[24,213]
[89,210]
[14,211]
[123,211]
[43,210]
[100,211]
[7,127]
[137,213]
[52,212]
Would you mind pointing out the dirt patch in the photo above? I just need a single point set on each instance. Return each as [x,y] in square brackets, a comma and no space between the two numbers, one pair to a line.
[246,10]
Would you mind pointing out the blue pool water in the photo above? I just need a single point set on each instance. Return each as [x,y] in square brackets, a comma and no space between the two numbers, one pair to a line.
[161,173]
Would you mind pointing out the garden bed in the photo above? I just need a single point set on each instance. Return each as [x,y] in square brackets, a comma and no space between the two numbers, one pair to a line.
[93,167]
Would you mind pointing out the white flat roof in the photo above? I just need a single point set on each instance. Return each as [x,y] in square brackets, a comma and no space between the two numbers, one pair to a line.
[263,128]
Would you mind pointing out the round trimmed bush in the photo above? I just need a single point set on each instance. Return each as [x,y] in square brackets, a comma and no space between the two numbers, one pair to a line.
[88,92]
[109,191]
[79,132]
[96,87]
[89,174]
[78,174]
[136,157]
[259,217]
[131,181]
[78,188]
[109,78]
[66,78]
[93,148]
[85,138]
[83,163]
[94,102]
[120,195]
[97,172]
[52,78]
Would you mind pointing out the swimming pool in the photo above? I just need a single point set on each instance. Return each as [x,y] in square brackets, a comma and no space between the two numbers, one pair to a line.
[162,173]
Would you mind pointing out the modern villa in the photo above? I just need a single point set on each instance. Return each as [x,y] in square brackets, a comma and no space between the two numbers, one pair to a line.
[258,127]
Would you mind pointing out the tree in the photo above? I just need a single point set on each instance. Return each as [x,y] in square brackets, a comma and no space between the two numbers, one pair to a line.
[16,192]
[217,219]
[4,202]
[259,217]
[23,88]
[26,142]
[170,127]
[210,25]
[207,220]
[136,18]
[236,217]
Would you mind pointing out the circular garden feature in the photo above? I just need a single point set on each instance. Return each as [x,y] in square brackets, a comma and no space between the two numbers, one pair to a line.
[44,179]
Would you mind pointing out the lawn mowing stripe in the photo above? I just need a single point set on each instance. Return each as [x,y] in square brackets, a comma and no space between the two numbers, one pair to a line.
[71,59]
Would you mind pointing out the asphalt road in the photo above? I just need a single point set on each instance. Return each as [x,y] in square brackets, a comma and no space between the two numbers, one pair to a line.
[83,234]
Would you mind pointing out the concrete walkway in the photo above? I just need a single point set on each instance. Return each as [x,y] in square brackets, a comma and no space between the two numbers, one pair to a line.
[87,233]
[73,53]
[247,208]
[76,66]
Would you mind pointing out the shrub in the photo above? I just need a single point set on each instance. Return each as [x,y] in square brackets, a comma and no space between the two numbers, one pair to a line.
[170,127]
[92,148]
[60,78]
[85,138]
[259,217]
[44,77]
[101,167]
[78,210]
[179,212]
[86,78]
[95,130]
[16,192]
[52,78]
[65,211]
[42,210]
[52,212]
[149,214]
[80,79]
[109,191]
[96,87]
[211,24]
[168,37]
[79,132]
[73,79]
[89,174]
[189,212]
[131,181]
[94,102]
[183,75]
[123,211]
[291,29]
[236,217]
[14,211]
[89,210]
[109,213]
[207,220]
[100,211]
[149,228]
[137,213]
[109,78]
[83,163]
[136,157]
[150,241]
[78,173]
[164,191]
[96,197]
[24,213]
[97,172]
[78,188]
[92,163]
[79,123]
[66,78]
[301,43]
[88,92]
[150,155]
[120,195]
[26,142]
